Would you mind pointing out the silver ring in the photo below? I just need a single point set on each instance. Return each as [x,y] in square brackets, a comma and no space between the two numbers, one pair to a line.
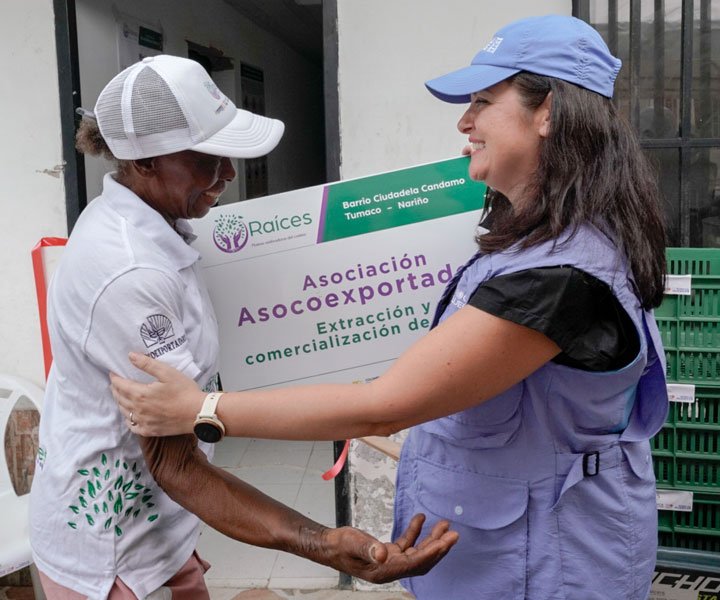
[132,423]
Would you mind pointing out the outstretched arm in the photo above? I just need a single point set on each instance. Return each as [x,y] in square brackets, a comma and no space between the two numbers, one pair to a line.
[244,513]
[471,357]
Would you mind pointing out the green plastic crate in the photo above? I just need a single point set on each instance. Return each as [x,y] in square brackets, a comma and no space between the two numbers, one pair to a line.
[704,265]
[696,530]
[663,444]
[704,412]
[700,335]
[702,303]
[690,325]
[701,367]
[690,331]
[687,442]
[689,541]
[691,432]
[688,472]
[704,443]
[698,262]
[686,452]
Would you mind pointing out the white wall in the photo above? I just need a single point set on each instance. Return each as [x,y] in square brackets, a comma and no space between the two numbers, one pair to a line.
[388,120]
[293,85]
[32,197]
[387,50]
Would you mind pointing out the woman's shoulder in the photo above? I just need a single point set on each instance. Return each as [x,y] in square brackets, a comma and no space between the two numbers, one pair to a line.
[105,248]
[585,247]
[578,311]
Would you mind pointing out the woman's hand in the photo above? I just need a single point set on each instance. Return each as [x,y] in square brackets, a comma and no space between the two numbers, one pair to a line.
[164,407]
[358,554]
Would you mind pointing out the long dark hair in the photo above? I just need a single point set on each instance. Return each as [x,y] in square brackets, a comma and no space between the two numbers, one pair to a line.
[591,170]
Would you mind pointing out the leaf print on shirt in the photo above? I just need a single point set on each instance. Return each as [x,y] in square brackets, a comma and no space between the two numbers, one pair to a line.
[111,497]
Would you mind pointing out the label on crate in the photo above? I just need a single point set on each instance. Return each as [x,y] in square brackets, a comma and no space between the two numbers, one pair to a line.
[681,392]
[676,500]
[678,285]
[684,584]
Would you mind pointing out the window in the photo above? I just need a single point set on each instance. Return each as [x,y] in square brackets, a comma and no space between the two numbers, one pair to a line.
[669,89]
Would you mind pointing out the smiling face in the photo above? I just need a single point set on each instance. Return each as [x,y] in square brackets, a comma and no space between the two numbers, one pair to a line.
[183,185]
[505,138]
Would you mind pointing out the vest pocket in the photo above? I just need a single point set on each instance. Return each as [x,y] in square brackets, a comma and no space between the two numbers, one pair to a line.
[490,513]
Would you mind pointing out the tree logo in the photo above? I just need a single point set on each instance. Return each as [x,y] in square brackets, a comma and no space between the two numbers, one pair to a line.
[230,234]
[113,498]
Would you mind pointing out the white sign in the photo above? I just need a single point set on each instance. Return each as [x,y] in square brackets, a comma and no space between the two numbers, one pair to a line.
[681,392]
[332,283]
[678,285]
[674,500]
[136,39]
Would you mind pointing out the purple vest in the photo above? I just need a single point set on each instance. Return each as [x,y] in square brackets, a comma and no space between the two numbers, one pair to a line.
[550,483]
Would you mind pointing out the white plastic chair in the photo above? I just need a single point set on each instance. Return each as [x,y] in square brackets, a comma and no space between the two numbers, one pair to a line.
[14,528]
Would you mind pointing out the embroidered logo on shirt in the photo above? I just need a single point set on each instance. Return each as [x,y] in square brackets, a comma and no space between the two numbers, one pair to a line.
[114,496]
[156,329]
[176,343]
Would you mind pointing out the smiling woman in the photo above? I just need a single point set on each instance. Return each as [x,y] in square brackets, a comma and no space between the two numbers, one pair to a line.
[505,136]
[108,517]
[182,185]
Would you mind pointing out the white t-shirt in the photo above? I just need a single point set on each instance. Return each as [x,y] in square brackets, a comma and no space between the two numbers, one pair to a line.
[126,282]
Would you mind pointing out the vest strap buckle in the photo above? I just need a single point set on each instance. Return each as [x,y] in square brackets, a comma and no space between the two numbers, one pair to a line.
[591,467]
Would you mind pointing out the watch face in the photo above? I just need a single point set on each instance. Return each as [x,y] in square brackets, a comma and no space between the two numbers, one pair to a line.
[207,431]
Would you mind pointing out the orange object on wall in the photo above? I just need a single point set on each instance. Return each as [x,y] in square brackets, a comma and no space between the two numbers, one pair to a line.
[41,290]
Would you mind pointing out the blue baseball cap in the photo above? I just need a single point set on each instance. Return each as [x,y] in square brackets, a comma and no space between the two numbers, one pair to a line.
[553,45]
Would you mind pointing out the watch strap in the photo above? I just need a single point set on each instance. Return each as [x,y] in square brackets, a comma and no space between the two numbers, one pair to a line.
[209,405]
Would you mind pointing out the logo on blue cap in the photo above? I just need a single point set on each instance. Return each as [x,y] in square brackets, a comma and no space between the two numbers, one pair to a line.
[554,45]
[493,45]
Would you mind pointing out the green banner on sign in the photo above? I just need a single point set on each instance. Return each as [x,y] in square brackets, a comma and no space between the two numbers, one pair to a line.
[400,198]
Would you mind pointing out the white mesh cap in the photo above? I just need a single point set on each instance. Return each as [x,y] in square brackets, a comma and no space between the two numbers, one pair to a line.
[165,104]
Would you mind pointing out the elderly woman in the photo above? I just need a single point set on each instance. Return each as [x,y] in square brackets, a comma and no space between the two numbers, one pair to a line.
[101,524]
[535,394]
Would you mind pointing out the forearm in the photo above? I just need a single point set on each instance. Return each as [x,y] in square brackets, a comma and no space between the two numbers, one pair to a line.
[228,504]
[311,412]
[450,369]
[245,514]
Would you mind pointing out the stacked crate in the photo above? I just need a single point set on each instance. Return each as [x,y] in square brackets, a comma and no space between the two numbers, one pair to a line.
[686,452]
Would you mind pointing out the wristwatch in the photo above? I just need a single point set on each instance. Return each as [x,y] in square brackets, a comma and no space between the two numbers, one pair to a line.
[208,427]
